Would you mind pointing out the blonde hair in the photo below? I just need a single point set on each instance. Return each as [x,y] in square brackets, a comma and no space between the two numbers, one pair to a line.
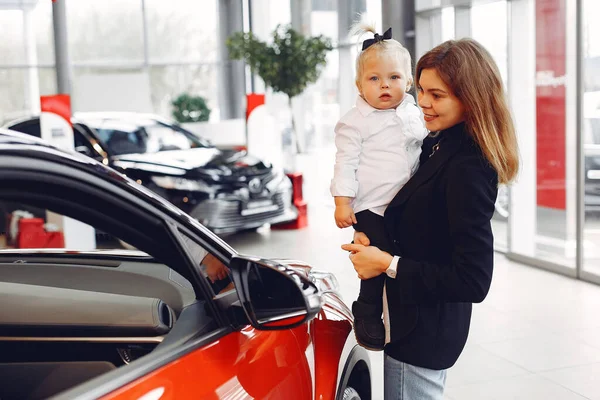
[385,47]
[469,70]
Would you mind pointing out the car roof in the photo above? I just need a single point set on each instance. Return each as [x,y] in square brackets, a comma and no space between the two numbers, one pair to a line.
[141,119]
[114,124]
[10,137]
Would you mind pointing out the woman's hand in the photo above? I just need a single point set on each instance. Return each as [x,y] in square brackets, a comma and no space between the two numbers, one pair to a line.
[368,261]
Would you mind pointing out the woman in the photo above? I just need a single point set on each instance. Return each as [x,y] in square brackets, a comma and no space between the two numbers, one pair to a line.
[439,222]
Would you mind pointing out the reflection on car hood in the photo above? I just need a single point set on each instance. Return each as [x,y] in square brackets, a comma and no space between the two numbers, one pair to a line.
[325,281]
[299,266]
[207,161]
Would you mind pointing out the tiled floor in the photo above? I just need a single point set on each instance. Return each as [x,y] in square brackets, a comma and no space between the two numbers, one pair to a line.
[535,337]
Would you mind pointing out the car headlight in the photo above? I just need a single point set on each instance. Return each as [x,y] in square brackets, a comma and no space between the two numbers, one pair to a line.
[171,182]
[593,174]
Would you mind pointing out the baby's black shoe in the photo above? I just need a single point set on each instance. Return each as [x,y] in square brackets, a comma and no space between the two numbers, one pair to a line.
[368,326]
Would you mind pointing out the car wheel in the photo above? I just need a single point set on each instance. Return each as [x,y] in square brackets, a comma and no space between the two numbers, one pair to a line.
[351,394]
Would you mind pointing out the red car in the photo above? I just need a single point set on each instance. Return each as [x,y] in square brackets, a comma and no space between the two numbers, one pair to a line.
[182,316]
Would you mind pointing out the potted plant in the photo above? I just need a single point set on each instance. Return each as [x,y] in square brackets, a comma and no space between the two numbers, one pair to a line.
[287,64]
[188,108]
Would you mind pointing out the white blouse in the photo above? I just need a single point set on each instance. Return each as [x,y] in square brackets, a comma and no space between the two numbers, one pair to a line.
[377,153]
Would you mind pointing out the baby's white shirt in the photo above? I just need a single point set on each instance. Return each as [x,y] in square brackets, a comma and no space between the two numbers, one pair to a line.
[377,153]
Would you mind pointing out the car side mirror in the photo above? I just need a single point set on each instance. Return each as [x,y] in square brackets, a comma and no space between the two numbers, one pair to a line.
[83,150]
[274,297]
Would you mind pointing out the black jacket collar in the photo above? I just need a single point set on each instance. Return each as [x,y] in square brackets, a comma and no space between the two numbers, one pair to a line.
[450,141]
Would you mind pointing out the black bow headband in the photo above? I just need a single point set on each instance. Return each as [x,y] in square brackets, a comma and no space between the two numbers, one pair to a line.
[378,38]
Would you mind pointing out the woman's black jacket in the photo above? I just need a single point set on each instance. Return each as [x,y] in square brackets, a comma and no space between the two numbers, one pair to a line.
[439,224]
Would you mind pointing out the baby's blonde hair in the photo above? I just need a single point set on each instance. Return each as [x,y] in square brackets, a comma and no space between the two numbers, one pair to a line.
[389,47]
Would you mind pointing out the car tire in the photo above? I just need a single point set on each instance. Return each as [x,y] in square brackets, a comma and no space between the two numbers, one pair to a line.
[351,394]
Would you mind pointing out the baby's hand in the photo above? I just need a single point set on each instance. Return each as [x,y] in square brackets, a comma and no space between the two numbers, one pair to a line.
[361,238]
[344,216]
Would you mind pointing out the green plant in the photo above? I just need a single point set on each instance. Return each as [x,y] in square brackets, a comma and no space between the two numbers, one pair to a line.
[288,64]
[188,108]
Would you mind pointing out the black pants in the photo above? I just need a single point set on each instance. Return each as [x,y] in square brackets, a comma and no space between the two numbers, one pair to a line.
[371,290]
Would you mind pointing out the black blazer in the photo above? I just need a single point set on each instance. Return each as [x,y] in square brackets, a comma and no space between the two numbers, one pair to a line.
[439,224]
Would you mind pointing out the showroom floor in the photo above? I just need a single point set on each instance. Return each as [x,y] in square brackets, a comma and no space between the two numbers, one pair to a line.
[536,336]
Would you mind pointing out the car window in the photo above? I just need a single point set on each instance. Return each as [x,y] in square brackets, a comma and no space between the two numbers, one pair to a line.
[26,226]
[162,138]
[33,128]
[123,142]
[82,142]
[29,127]
[215,271]
[198,141]
[147,137]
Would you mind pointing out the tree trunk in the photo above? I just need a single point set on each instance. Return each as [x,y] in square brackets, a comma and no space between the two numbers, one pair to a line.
[295,135]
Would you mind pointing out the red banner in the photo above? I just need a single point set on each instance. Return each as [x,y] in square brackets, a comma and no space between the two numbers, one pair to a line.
[551,103]
[59,104]
[253,100]
[55,120]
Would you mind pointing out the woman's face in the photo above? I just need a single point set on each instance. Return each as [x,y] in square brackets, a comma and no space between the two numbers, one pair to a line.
[441,108]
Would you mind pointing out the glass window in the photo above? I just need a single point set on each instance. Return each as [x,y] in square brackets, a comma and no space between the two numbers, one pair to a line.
[20,28]
[489,26]
[13,101]
[47,81]
[591,137]
[12,45]
[325,110]
[26,226]
[41,17]
[122,137]
[168,82]
[543,198]
[29,127]
[82,145]
[217,273]
[182,31]
[107,30]
[21,89]
[123,142]
[448,23]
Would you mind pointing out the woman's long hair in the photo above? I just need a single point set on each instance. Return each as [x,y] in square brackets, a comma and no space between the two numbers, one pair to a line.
[469,71]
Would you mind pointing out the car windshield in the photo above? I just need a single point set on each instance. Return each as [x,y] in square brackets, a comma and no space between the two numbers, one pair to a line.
[123,138]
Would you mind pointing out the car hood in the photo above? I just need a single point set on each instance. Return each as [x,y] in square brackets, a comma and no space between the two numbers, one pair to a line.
[218,164]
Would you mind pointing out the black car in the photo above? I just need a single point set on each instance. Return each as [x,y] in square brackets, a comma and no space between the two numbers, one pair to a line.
[226,190]
[591,129]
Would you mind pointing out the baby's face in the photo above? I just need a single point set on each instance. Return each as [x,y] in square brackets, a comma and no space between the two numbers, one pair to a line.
[383,82]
